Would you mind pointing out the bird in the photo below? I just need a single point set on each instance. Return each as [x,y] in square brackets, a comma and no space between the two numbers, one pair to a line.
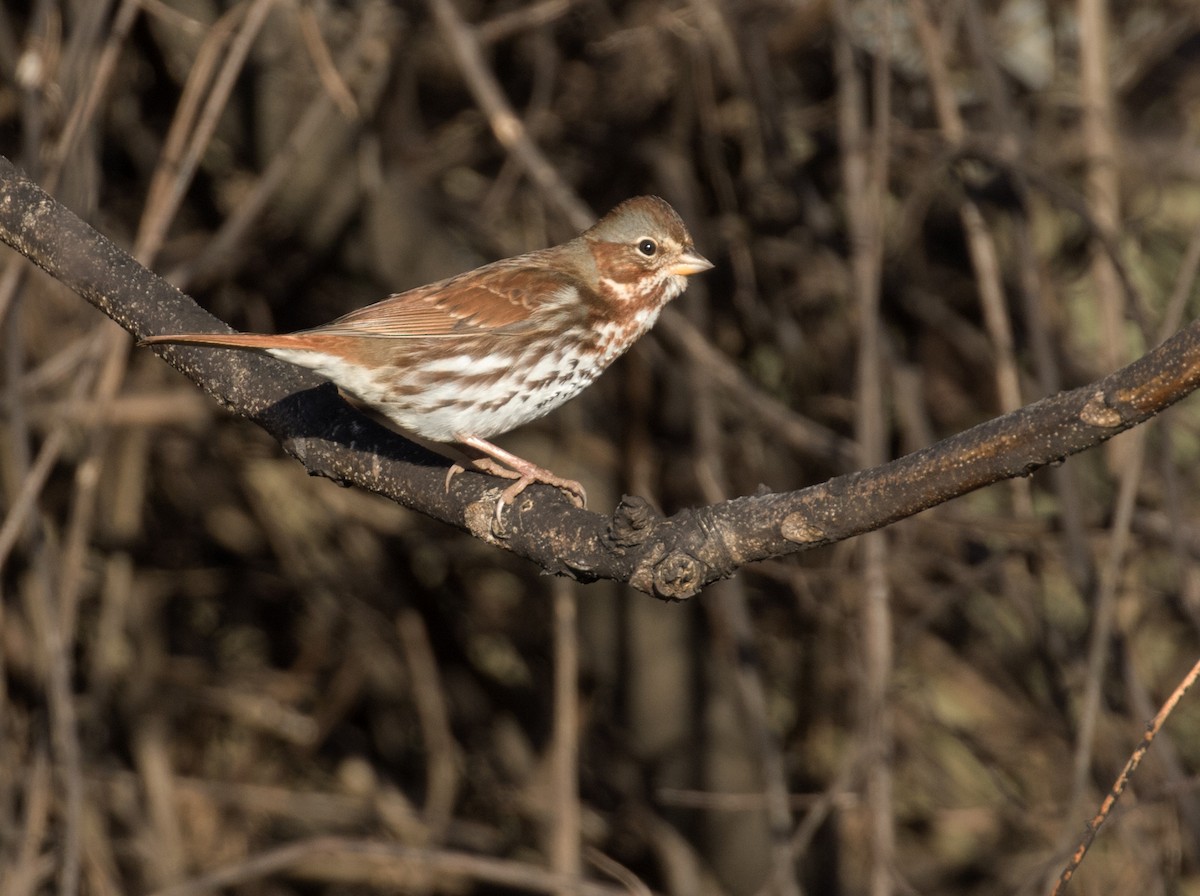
[481,353]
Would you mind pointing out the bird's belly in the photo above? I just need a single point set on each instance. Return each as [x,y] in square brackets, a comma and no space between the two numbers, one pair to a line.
[491,397]
[448,397]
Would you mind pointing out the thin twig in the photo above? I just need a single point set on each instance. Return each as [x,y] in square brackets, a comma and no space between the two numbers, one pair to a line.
[365,55]
[311,859]
[506,125]
[318,50]
[566,836]
[981,243]
[190,138]
[735,646]
[864,177]
[1122,781]
[443,755]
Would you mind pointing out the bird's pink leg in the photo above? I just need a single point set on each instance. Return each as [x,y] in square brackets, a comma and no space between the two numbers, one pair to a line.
[509,466]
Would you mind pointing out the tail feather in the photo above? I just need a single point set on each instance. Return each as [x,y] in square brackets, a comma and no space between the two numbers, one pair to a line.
[224,340]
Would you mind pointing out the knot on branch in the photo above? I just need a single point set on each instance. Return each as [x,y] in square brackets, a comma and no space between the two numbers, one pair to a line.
[681,555]
[1099,412]
[632,523]
[678,576]
[798,528]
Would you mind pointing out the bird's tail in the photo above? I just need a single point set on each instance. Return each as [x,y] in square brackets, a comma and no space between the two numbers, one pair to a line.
[258,341]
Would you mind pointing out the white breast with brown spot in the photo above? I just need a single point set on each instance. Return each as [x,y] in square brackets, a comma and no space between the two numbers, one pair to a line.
[484,394]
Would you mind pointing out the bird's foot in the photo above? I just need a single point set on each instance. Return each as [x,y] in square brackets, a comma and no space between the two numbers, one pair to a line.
[525,473]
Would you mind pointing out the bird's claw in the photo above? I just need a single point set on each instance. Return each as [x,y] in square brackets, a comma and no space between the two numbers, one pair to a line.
[454,470]
[573,489]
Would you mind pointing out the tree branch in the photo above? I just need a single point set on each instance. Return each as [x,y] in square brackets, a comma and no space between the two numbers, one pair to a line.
[669,557]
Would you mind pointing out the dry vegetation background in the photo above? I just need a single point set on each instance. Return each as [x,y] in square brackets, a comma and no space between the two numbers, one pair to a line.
[220,675]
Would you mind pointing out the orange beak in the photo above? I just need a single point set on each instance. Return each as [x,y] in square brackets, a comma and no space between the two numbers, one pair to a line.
[690,262]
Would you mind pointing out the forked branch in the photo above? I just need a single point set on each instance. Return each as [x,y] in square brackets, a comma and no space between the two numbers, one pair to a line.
[671,557]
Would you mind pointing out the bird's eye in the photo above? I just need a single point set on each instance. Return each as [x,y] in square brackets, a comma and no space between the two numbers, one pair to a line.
[647,247]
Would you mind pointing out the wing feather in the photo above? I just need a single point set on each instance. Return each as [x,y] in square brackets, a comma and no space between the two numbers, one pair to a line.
[515,294]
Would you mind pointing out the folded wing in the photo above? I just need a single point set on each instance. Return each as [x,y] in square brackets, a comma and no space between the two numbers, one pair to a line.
[514,295]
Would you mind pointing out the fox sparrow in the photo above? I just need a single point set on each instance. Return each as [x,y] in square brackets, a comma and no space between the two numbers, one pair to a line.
[478,354]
